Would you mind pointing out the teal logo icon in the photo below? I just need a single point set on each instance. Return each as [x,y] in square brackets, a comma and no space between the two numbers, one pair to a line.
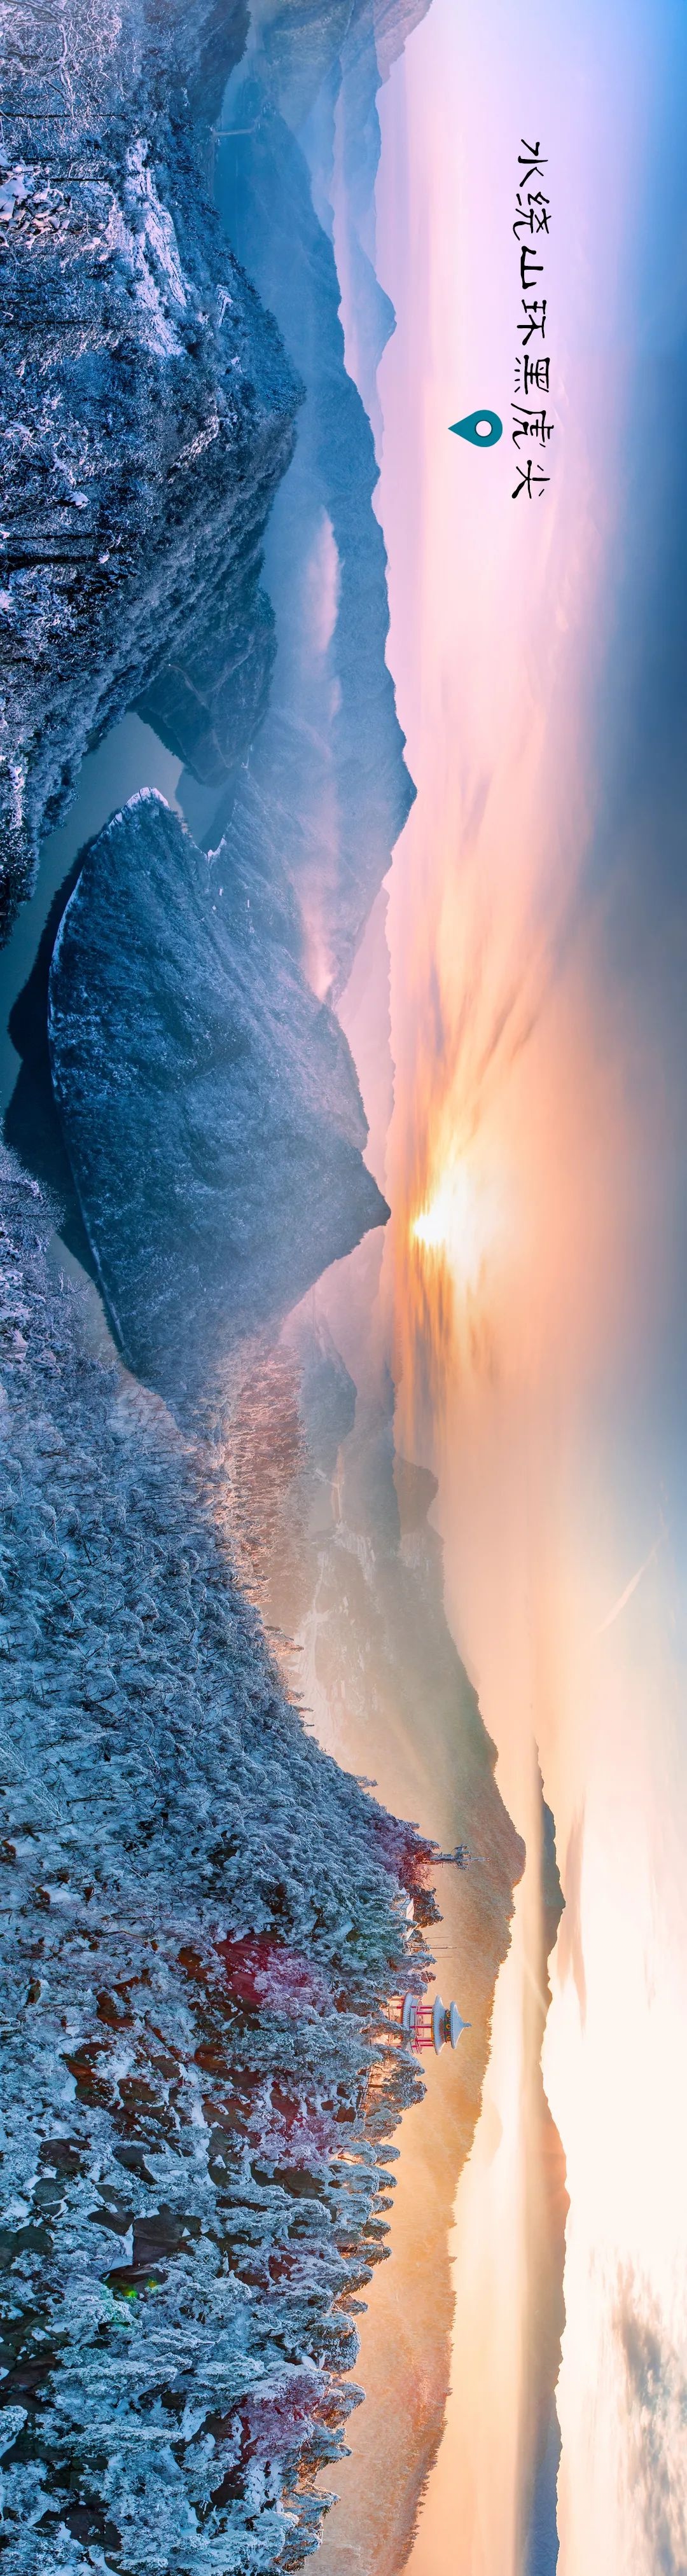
[481,427]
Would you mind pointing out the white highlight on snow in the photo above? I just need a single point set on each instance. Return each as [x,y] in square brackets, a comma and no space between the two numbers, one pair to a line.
[151,252]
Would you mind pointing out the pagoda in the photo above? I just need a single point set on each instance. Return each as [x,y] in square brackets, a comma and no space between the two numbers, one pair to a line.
[429,2025]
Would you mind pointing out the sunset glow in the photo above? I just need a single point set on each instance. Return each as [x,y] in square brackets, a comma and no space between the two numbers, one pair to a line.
[528,1284]
[460,1223]
[343,1258]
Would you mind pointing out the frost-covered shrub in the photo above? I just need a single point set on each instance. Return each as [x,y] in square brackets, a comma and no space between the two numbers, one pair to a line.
[203,1920]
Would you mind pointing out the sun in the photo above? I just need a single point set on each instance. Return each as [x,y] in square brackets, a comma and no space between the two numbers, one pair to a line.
[460,1222]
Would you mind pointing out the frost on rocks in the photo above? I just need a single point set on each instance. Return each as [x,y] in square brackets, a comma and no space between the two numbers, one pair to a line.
[120,562]
[205,1094]
[203,1922]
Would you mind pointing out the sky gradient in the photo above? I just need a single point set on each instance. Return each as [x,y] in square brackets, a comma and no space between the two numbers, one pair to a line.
[533,1275]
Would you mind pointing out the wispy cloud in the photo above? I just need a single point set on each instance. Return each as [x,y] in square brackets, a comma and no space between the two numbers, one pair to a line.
[630,1587]
[657,2400]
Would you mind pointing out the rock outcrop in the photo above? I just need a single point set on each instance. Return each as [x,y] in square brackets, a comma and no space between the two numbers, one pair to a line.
[209,1102]
[148,407]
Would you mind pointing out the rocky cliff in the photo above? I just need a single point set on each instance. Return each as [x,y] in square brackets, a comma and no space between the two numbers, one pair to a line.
[148,408]
[209,1102]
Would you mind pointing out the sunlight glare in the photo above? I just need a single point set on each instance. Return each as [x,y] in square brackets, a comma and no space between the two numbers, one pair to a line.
[460,1223]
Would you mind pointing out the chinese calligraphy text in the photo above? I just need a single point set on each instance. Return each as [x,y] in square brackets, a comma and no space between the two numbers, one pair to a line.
[532,425]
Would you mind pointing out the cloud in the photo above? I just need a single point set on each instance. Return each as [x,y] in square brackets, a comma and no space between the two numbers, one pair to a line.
[657,2402]
[630,1587]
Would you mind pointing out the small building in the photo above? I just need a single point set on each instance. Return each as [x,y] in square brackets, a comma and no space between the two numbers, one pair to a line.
[431,2025]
